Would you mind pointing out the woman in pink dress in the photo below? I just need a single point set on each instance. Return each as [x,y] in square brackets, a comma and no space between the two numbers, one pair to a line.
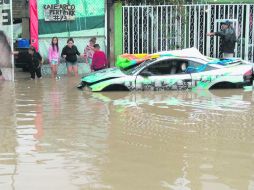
[54,56]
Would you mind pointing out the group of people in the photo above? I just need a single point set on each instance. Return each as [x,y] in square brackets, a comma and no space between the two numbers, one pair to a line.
[97,58]
[92,54]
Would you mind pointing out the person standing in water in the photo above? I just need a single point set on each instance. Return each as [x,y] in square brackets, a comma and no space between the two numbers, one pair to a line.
[54,57]
[99,60]
[34,60]
[35,63]
[89,50]
[70,52]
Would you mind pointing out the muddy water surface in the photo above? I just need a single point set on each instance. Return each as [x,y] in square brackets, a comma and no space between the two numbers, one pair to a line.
[56,137]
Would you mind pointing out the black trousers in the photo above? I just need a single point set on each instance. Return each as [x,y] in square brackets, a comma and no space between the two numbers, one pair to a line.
[36,71]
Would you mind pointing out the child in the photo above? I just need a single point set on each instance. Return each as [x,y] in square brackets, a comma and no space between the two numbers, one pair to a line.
[99,60]
[53,56]
[89,50]
[34,61]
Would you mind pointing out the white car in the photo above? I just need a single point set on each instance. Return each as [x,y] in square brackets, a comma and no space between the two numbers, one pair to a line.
[173,70]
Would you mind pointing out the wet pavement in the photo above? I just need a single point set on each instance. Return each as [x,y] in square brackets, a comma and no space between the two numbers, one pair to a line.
[54,136]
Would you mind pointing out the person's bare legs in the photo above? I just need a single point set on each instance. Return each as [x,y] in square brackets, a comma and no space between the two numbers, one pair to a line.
[69,70]
[53,71]
[75,69]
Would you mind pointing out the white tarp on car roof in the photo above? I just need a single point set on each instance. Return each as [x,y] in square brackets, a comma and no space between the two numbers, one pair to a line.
[188,52]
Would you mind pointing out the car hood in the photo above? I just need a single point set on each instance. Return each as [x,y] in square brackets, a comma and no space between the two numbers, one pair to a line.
[104,74]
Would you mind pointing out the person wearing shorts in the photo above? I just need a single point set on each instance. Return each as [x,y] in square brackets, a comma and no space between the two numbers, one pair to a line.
[53,57]
[70,53]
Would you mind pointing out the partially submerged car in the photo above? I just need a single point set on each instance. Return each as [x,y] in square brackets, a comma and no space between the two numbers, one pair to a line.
[173,70]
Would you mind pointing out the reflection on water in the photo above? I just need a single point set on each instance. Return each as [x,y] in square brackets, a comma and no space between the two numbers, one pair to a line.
[56,137]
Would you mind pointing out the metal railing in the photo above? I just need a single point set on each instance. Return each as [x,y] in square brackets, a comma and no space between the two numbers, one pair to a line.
[149,29]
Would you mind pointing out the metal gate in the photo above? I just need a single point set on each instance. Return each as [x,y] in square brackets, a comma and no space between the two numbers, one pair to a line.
[149,29]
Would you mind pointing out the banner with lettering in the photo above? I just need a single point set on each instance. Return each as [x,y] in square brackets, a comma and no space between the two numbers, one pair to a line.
[71,18]
[6,41]
[59,12]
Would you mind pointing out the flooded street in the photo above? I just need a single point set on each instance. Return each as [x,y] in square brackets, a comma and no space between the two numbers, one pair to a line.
[54,136]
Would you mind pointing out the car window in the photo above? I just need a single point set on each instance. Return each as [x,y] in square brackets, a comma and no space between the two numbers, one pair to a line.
[194,67]
[159,68]
[167,67]
[226,62]
[134,68]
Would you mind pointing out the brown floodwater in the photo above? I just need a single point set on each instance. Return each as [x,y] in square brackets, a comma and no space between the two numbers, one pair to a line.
[53,136]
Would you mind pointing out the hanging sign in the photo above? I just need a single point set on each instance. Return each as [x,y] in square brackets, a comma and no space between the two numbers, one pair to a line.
[59,12]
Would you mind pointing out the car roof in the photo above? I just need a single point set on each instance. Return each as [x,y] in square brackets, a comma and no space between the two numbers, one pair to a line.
[213,62]
[182,58]
[183,53]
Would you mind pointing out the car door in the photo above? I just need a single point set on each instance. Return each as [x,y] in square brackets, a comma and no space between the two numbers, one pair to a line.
[204,75]
[163,75]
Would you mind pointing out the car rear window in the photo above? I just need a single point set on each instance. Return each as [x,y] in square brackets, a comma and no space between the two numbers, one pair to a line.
[201,67]
[226,62]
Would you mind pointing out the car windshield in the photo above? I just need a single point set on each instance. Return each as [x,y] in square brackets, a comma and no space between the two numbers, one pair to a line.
[132,69]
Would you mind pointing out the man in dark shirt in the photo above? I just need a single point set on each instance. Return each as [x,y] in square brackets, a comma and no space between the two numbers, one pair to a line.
[228,39]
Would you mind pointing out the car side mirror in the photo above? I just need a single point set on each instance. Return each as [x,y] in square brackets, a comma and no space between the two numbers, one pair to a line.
[145,74]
